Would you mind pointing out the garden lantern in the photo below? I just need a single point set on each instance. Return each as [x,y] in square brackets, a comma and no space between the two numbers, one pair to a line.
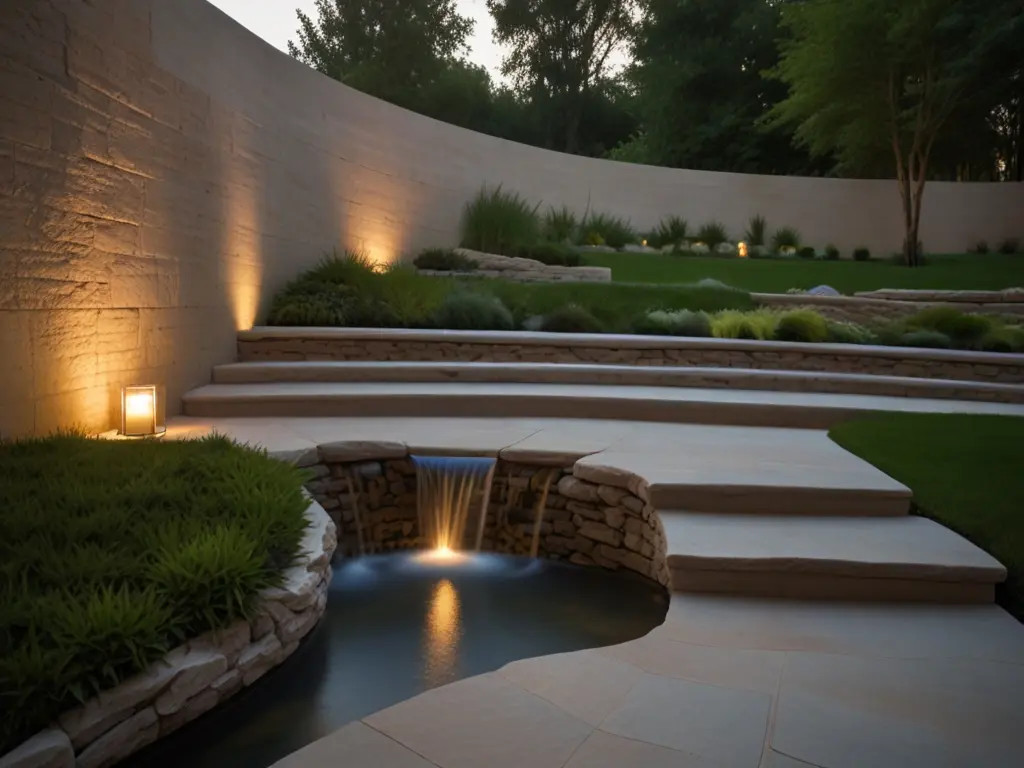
[142,410]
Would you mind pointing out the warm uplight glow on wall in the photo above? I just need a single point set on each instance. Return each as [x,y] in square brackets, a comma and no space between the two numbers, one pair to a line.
[242,248]
[142,410]
[741,248]
[441,635]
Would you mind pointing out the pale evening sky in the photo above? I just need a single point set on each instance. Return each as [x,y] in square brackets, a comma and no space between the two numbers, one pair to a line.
[275,21]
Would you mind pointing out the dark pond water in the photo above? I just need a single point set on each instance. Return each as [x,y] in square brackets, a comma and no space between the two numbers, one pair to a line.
[397,625]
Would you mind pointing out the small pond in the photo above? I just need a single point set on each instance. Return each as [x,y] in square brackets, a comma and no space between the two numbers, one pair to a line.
[397,625]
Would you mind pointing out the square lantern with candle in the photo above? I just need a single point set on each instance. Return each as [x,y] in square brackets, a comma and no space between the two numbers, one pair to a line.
[142,410]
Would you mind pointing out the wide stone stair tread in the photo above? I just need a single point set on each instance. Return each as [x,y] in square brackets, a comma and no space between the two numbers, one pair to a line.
[593,373]
[816,556]
[641,403]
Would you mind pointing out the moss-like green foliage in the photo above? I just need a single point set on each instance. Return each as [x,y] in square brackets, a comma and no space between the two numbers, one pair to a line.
[681,322]
[758,324]
[785,237]
[671,230]
[572,318]
[605,229]
[924,338]
[495,221]
[712,234]
[1009,338]
[112,553]
[473,311]
[802,325]
[560,225]
[861,254]
[555,254]
[965,330]
[444,260]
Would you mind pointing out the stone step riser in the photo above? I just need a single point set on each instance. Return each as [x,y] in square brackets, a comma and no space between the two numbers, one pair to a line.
[782,500]
[781,381]
[817,586]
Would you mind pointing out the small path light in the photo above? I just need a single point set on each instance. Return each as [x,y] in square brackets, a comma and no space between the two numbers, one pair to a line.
[741,249]
[142,410]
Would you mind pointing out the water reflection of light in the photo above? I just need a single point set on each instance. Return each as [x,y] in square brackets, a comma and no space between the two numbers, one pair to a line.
[441,635]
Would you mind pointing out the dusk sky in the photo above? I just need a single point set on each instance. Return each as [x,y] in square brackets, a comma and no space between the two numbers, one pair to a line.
[275,22]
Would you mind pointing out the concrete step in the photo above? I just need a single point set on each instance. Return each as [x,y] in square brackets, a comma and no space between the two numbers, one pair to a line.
[586,401]
[591,373]
[900,558]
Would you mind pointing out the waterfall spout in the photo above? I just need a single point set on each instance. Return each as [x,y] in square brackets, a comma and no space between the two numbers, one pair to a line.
[445,490]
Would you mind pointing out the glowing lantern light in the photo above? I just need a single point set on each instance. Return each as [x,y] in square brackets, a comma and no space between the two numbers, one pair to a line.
[142,410]
[742,250]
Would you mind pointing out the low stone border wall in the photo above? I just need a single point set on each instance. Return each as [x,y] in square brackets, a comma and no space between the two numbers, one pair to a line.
[373,344]
[881,305]
[524,270]
[604,521]
[194,677]
[1009,296]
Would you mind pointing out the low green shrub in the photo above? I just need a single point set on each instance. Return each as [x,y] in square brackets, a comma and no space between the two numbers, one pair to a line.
[1010,245]
[756,230]
[572,318]
[554,254]
[963,329]
[560,225]
[981,247]
[712,234]
[831,253]
[925,338]
[681,322]
[315,308]
[112,553]
[802,325]
[861,254]
[842,332]
[785,237]
[670,231]
[495,221]
[608,230]
[806,252]
[445,260]
[757,324]
[1008,338]
[467,311]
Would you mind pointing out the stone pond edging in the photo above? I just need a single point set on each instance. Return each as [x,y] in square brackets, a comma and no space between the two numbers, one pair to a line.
[592,515]
[263,344]
[194,677]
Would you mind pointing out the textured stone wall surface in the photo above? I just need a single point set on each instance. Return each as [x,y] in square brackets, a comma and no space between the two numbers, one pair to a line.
[163,171]
[194,677]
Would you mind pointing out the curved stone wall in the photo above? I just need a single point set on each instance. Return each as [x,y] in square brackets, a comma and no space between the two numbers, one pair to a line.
[163,171]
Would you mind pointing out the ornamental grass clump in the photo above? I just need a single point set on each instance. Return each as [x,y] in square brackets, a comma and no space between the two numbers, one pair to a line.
[444,260]
[468,311]
[712,234]
[112,553]
[495,221]
[757,324]
[560,225]
[606,229]
[802,325]
[671,231]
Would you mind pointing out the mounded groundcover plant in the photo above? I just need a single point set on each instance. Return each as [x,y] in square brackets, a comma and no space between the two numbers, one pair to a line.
[114,552]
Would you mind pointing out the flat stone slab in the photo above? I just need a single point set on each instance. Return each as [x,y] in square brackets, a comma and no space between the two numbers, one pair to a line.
[585,373]
[906,547]
[728,682]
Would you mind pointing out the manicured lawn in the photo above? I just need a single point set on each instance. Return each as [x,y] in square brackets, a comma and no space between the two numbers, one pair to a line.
[966,471]
[990,271]
[113,552]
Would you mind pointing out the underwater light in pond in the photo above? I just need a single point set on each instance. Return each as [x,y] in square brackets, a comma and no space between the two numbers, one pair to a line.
[441,555]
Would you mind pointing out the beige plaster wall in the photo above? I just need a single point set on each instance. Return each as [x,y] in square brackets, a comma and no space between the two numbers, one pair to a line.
[162,171]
